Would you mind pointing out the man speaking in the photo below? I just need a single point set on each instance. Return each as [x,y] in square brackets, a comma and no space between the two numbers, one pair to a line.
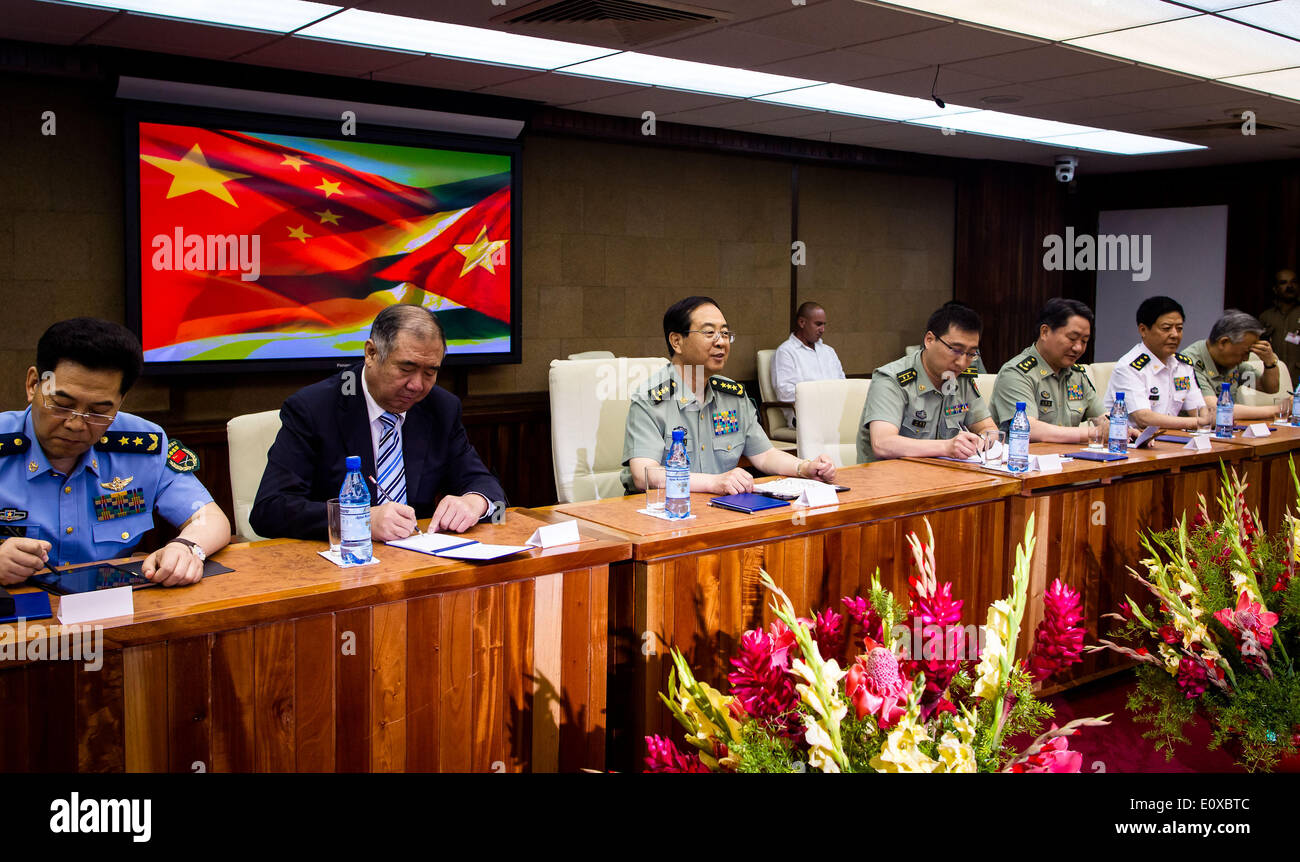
[406,430]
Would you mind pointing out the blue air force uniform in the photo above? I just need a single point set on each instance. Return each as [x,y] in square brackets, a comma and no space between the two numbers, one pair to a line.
[99,511]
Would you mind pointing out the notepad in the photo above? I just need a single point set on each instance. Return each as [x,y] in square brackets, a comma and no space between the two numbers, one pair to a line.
[430,543]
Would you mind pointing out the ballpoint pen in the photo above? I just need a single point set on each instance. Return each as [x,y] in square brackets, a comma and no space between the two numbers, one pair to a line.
[379,490]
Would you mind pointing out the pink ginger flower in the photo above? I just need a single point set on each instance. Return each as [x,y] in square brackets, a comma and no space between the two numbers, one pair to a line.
[760,684]
[1059,637]
[828,632]
[865,619]
[933,605]
[1055,756]
[875,686]
[1191,677]
[663,756]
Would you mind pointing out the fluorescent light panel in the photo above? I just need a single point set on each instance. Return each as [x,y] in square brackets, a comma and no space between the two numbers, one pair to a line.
[653,71]
[1057,21]
[1281,16]
[276,16]
[1206,46]
[1004,125]
[1283,82]
[1120,143]
[359,27]
[857,102]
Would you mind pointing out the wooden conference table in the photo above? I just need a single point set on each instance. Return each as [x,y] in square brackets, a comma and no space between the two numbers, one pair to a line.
[290,663]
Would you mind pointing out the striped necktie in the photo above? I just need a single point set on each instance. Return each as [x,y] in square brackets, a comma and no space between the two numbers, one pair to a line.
[392,473]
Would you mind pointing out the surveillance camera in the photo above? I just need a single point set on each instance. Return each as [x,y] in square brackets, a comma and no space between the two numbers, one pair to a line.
[1065,166]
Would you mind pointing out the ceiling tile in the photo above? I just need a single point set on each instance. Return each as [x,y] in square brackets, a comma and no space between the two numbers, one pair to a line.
[837,67]
[1039,63]
[556,89]
[917,82]
[834,25]
[1188,95]
[31,21]
[809,125]
[330,58]
[179,37]
[1109,82]
[1082,111]
[655,99]
[449,74]
[731,47]
[951,43]
[739,112]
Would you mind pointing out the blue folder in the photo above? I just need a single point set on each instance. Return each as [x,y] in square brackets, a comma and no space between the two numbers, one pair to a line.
[748,503]
[30,606]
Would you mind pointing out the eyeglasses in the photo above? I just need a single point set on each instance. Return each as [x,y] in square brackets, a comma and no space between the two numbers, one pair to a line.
[94,420]
[714,334]
[972,355]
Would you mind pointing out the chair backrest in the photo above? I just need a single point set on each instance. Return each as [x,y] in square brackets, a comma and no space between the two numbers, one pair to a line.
[589,403]
[984,383]
[1252,396]
[251,436]
[593,354]
[1100,373]
[829,412]
[775,415]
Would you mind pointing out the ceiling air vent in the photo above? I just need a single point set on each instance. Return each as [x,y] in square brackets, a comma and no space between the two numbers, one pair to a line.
[614,23]
[1220,129]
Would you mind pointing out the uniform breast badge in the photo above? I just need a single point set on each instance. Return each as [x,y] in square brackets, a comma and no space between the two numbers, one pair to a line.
[1074,391]
[117,483]
[725,422]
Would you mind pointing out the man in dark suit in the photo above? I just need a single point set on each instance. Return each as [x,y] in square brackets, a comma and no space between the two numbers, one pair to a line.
[406,430]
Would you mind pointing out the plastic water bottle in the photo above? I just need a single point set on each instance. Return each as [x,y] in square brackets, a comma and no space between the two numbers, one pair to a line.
[1117,442]
[1223,412]
[1018,441]
[354,516]
[1295,406]
[677,485]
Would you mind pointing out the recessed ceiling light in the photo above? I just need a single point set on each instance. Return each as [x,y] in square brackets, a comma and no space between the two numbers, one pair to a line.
[1003,125]
[277,16]
[857,102]
[1280,16]
[1055,21]
[1119,143]
[655,71]
[359,27]
[1205,45]
[1283,82]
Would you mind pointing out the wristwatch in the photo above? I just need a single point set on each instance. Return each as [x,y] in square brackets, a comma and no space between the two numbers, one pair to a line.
[1267,367]
[193,546]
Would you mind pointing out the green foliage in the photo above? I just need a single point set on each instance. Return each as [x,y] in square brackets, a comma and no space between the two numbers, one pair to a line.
[862,740]
[761,751]
[1157,701]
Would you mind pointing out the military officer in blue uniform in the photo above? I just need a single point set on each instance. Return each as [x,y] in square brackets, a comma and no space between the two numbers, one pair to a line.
[80,480]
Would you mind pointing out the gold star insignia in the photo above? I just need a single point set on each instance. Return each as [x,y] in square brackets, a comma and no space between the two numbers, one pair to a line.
[191,173]
[294,162]
[123,441]
[299,234]
[328,217]
[480,252]
[138,441]
[329,188]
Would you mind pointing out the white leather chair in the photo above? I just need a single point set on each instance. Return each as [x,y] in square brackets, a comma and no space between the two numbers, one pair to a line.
[1252,396]
[593,354]
[1100,373]
[829,412]
[589,403]
[984,383]
[770,414]
[249,437]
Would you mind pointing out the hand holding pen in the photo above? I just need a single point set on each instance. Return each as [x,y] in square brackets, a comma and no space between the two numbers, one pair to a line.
[391,519]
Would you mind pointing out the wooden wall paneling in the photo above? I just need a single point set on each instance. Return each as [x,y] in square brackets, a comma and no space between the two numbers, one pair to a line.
[548,651]
[144,669]
[488,753]
[517,674]
[388,688]
[1279,495]
[597,664]
[14,743]
[189,678]
[51,691]
[315,645]
[234,683]
[100,713]
[732,615]
[456,724]
[575,679]
[275,660]
[423,680]
[352,633]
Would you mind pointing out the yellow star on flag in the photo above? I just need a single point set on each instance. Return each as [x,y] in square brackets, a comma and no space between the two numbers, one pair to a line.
[294,162]
[329,188]
[480,252]
[191,173]
[299,234]
[327,216]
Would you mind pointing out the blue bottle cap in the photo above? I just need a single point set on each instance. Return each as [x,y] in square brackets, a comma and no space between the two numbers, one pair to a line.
[679,434]
[353,463]
[1020,405]
[1223,387]
[1119,396]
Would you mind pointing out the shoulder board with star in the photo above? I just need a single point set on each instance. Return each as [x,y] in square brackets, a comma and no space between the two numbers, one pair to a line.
[722,384]
[1183,358]
[136,442]
[970,372]
[905,377]
[1027,364]
[181,458]
[1083,370]
[1141,362]
[14,444]
[667,389]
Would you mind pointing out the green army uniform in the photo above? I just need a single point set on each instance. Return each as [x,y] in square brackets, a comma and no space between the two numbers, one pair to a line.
[1278,326]
[1065,397]
[901,394]
[1210,376]
[718,431]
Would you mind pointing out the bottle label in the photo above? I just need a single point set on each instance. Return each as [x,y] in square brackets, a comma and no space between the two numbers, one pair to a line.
[677,485]
[354,523]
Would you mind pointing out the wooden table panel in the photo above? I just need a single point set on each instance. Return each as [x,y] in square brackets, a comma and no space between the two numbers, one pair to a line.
[313,694]
[234,681]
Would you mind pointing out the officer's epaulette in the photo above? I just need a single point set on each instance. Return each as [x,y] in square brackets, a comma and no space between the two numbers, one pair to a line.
[1183,358]
[970,372]
[722,384]
[138,442]
[664,390]
[1027,364]
[1141,362]
[906,377]
[1200,363]
[1086,375]
[14,444]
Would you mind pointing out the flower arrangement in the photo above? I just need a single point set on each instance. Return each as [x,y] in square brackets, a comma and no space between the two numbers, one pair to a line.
[1218,631]
[944,703]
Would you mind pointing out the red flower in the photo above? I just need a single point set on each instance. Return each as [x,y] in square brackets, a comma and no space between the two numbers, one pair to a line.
[828,632]
[1054,756]
[663,756]
[1192,678]
[760,684]
[1249,616]
[783,641]
[866,619]
[1125,611]
[937,615]
[1059,637]
[1169,634]
[875,686]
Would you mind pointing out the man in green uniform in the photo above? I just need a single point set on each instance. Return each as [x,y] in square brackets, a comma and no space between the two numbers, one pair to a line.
[1221,359]
[1059,395]
[927,404]
[720,421]
[1282,321]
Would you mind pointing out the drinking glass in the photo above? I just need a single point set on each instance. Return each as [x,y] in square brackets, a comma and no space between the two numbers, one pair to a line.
[655,483]
[991,446]
[1098,433]
[333,517]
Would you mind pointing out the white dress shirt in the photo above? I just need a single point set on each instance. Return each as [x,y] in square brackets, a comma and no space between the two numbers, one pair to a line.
[796,362]
[1149,384]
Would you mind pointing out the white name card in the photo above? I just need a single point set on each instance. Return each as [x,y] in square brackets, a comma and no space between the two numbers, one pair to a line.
[1199,443]
[1045,463]
[563,533]
[1258,429]
[813,496]
[97,605]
